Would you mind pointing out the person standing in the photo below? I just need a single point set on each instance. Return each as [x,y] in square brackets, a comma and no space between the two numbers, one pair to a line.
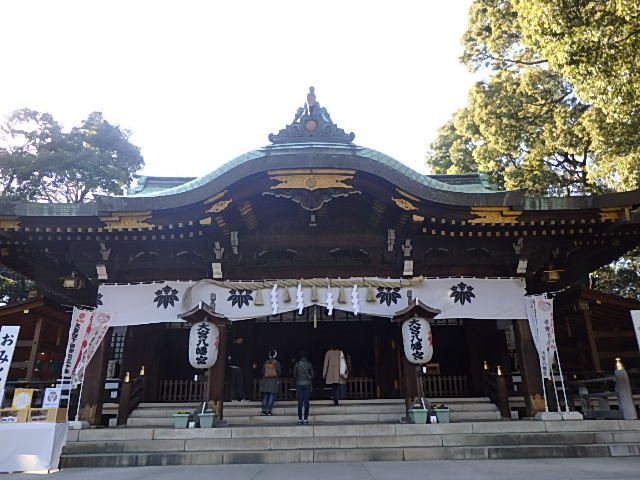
[236,360]
[303,375]
[270,382]
[334,375]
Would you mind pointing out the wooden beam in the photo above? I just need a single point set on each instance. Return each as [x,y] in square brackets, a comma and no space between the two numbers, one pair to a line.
[592,340]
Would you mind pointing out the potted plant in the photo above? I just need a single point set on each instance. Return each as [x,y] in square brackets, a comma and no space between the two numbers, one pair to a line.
[208,418]
[442,413]
[181,419]
[418,414]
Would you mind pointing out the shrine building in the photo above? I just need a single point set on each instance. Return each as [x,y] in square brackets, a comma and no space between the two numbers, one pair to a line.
[312,242]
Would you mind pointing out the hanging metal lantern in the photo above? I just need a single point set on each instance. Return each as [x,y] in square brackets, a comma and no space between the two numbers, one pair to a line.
[417,341]
[204,340]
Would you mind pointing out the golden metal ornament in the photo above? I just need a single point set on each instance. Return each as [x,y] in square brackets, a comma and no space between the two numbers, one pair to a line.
[219,206]
[11,222]
[311,178]
[619,365]
[122,220]
[404,204]
[495,215]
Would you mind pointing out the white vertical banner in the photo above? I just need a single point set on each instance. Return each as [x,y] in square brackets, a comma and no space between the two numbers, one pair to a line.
[635,317]
[8,341]
[96,331]
[80,320]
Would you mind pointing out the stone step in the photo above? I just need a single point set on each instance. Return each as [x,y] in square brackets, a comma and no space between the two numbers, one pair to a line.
[346,455]
[346,418]
[327,402]
[342,409]
[375,441]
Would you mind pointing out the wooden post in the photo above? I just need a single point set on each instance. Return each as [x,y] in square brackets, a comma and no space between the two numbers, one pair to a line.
[592,339]
[35,348]
[503,396]
[216,374]
[529,368]
[93,388]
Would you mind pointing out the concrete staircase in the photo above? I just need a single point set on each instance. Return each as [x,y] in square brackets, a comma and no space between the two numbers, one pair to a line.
[321,412]
[120,447]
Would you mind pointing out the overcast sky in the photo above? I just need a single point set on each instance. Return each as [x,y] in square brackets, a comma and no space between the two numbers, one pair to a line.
[199,83]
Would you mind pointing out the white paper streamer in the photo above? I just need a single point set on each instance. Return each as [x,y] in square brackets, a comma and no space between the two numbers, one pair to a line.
[299,299]
[355,303]
[329,301]
[274,299]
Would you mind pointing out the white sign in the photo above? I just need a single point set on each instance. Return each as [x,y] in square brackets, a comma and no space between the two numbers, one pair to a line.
[52,398]
[8,341]
[417,340]
[204,341]
[635,317]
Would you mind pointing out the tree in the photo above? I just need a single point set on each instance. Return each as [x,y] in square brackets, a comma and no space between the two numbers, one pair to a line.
[558,109]
[526,123]
[40,162]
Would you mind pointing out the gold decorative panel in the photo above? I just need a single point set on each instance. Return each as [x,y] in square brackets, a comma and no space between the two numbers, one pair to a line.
[219,206]
[614,213]
[404,204]
[311,178]
[122,220]
[10,222]
[495,215]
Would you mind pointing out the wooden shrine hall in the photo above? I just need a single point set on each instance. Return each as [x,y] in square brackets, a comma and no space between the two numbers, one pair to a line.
[314,242]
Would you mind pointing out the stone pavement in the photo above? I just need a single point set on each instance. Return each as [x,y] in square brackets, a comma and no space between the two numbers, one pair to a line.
[627,468]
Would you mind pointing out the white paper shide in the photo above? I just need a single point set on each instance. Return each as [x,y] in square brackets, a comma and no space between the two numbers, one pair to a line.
[417,340]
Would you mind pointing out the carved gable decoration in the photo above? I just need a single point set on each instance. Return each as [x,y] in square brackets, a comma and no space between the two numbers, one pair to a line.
[311,123]
[124,220]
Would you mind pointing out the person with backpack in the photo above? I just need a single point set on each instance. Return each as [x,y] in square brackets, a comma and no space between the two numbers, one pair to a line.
[303,376]
[270,382]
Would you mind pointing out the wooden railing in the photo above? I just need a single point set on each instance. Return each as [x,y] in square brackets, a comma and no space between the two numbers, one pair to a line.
[357,388]
[445,386]
[182,390]
[495,387]
[131,394]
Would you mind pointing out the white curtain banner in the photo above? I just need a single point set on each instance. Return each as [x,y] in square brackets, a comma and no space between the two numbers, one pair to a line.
[476,298]
[8,341]
[635,318]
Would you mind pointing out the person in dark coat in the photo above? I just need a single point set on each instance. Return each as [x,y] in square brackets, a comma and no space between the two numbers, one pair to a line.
[303,376]
[270,382]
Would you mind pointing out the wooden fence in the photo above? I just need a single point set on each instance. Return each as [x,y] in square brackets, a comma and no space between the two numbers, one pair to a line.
[182,390]
[357,388]
[445,386]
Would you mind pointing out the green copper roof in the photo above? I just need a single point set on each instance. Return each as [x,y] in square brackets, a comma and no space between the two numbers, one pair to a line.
[338,151]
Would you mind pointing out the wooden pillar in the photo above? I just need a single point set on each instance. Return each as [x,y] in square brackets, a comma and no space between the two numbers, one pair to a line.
[595,358]
[93,387]
[35,348]
[216,374]
[476,336]
[529,368]
[151,360]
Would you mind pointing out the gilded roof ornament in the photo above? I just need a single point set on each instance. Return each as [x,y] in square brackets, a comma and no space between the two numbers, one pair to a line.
[311,123]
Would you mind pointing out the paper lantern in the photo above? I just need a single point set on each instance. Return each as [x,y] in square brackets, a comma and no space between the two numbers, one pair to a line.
[417,341]
[204,340]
